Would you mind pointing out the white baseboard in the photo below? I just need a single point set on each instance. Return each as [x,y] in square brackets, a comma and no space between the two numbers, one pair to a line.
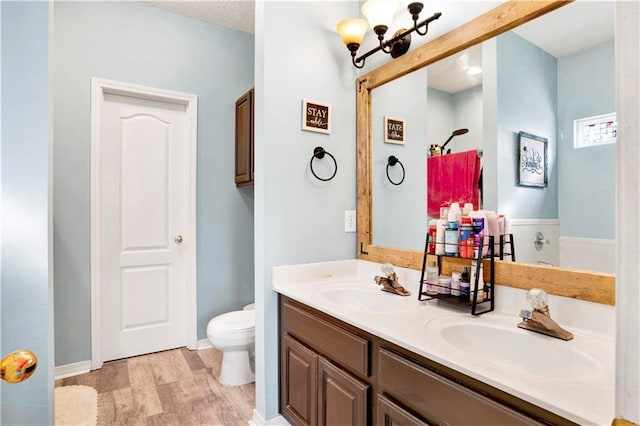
[69,370]
[204,344]
[258,420]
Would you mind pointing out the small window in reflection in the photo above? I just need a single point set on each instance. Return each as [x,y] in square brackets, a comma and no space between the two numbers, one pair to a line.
[594,131]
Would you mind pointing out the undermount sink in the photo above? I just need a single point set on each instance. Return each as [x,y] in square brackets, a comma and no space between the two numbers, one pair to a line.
[366,299]
[503,345]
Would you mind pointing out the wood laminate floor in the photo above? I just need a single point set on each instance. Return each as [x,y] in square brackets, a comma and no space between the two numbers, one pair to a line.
[175,387]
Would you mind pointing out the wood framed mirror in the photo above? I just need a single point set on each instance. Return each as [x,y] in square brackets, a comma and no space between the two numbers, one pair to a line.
[590,286]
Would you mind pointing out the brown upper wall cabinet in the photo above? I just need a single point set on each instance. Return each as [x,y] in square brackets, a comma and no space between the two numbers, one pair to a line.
[244,140]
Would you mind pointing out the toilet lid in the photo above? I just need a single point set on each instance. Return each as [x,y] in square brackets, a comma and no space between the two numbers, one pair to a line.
[234,321]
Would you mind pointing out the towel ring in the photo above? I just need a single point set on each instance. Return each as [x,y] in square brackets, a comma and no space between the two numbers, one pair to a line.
[319,152]
[392,161]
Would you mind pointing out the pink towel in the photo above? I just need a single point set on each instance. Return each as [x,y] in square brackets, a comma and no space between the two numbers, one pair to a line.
[452,178]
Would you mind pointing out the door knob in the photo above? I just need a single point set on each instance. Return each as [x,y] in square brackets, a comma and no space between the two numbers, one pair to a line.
[18,366]
[178,239]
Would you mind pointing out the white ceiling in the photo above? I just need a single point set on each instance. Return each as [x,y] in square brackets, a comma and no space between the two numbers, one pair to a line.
[450,74]
[570,29]
[236,14]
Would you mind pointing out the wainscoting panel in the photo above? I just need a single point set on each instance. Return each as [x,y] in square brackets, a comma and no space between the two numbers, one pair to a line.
[524,234]
[591,254]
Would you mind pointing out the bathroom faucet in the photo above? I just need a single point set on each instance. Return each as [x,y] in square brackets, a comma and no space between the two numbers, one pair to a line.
[389,281]
[539,319]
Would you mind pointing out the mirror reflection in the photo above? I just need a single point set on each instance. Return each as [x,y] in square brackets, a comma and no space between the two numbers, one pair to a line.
[539,79]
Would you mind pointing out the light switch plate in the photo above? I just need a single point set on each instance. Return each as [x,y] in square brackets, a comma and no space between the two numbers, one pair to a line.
[349,221]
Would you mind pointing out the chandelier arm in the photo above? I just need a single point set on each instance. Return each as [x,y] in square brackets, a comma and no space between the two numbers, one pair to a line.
[425,23]
[357,61]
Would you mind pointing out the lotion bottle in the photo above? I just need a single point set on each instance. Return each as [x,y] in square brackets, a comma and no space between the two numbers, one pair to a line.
[440,227]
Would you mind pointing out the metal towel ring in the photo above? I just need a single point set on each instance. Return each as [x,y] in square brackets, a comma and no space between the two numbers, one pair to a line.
[392,161]
[319,152]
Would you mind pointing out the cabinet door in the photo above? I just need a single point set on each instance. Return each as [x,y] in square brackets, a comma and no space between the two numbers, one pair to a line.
[342,399]
[298,382]
[244,140]
[390,414]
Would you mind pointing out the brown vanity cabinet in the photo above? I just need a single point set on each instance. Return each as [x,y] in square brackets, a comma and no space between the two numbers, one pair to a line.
[332,373]
[244,140]
[320,362]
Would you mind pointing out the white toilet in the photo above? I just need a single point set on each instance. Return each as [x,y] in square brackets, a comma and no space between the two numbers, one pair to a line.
[234,334]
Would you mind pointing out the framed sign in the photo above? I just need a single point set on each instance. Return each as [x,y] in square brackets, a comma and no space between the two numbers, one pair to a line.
[532,160]
[316,116]
[394,129]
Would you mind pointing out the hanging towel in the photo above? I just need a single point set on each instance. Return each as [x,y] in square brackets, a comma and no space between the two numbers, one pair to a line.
[452,178]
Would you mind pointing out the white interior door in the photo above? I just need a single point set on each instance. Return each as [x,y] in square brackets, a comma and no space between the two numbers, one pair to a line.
[143,187]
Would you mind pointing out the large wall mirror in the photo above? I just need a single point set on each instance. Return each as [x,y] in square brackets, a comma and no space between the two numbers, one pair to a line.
[537,76]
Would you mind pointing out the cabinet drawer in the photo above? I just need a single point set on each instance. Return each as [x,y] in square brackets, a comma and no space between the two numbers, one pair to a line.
[390,414]
[339,345]
[438,399]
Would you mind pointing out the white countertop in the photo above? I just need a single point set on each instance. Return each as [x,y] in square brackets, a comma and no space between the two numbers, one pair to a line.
[414,325]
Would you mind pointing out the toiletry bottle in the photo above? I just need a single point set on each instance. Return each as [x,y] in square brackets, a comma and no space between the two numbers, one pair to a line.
[432,236]
[477,269]
[432,278]
[440,227]
[482,293]
[502,224]
[464,283]
[472,279]
[454,213]
[451,247]
[467,239]
[479,232]
[455,283]
[492,228]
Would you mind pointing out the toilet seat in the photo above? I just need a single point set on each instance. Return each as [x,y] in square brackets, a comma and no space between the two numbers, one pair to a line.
[233,322]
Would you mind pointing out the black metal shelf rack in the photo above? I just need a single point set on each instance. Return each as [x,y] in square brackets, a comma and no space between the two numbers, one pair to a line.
[477,307]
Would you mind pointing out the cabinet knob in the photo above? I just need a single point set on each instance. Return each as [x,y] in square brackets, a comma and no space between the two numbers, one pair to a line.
[178,239]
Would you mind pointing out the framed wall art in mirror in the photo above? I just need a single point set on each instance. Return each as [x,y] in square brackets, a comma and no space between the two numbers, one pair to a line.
[532,160]
[394,130]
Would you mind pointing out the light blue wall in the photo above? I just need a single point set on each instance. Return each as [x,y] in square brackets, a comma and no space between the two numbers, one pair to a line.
[27,316]
[440,116]
[526,101]
[395,206]
[587,195]
[447,112]
[298,218]
[136,43]
[467,114]
[490,125]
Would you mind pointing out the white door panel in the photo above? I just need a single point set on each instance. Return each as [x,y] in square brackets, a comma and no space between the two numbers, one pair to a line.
[143,207]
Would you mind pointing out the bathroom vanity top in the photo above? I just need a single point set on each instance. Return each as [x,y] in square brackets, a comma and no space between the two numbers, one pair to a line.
[574,379]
